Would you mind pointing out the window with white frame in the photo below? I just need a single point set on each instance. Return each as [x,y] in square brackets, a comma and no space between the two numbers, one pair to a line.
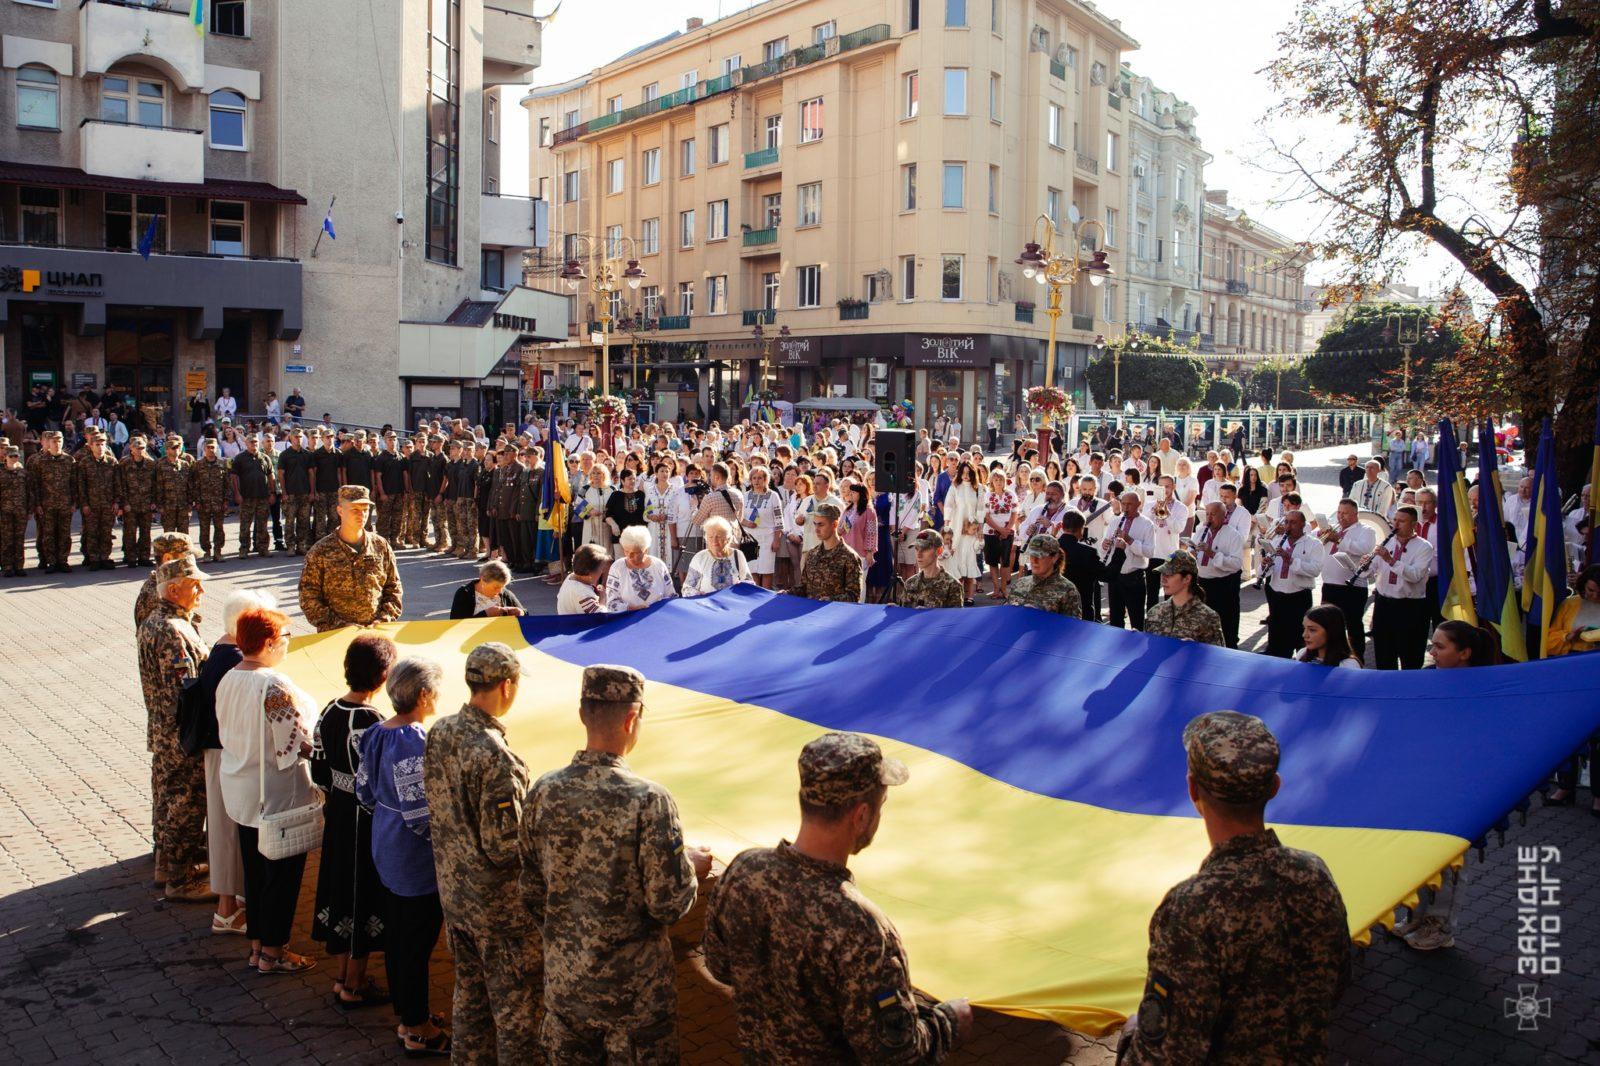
[227,18]
[950,277]
[1180,186]
[650,236]
[1053,127]
[686,229]
[1108,308]
[1177,250]
[686,297]
[1144,308]
[771,283]
[613,104]
[652,165]
[771,210]
[717,294]
[1113,151]
[613,242]
[994,189]
[718,152]
[954,185]
[614,305]
[955,12]
[808,285]
[227,228]
[823,31]
[874,286]
[908,277]
[1052,206]
[686,157]
[996,104]
[774,131]
[127,220]
[569,187]
[491,118]
[811,120]
[650,301]
[955,90]
[717,220]
[1111,227]
[908,187]
[41,215]
[731,64]
[227,119]
[776,49]
[571,119]
[1141,240]
[614,175]
[810,195]
[908,95]
[652,91]
[38,98]
[689,79]
[136,101]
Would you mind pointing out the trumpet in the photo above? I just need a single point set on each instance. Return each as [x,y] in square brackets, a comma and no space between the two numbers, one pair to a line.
[1331,535]
[1161,510]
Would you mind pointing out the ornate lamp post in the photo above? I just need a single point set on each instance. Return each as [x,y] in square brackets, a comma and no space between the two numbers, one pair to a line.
[765,341]
[1406,328]
[1058,270]
[610,273]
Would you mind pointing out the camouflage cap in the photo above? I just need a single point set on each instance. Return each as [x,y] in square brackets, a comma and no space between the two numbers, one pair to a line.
[173,438]
[839,767]
[14,451]
[51,434]
[826,510]
[928,538]
[1233,756]
[1042,546]
[1180,563]
[171,542]
[182,566]
[491,663]
[208,442]
[355,494]
[612,684]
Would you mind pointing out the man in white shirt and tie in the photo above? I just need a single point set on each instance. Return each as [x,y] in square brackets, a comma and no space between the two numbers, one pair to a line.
[1219,552]
[1125,552]
[1294,566]
[1169,518]
[1046,517]
[1428,530]
[1092,507]
[1348,542]
[1400,583]
[1516,506]
[1373,493]
[1234,514]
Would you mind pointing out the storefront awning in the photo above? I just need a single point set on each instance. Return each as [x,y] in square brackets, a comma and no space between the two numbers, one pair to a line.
[217,189]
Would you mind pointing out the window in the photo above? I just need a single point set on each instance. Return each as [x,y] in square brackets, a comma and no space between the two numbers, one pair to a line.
[650,300]
[1113,150]
[227,119]
[544,133]
[719,144]
[444,132]
[38,98]
[613,104]
[1159,245]
[823,32]
[771,210]
[950,278]
[125,226]
[686,157]
[1108,308]
[136,101]
[1144,308]
[1054,129]
[991,280]
[875,287]
[955,90]
[913,15]
[994,190]
[995,105]
[908,187]
[227,18]
[909,109]
[771,282]
[1052,207]
[569,246]
[810,204]
[775,49]
[614,305]
[652,91]
[774,131]
[908,277]
[955,185]
[1177,251]
[491,118]
[1141,240]
[569,187]
[652,165]
[731,64]
[955,12]
[1180,186]
[1111,227]
[614,175]
[650,236]
[717,294]
[811,121]
[686,296]
[570,119]
[228,227]
[995,15]
[491,268]
[613,242]
[689,79]
[41,215]
[717,220]
[809,282]
[685,229]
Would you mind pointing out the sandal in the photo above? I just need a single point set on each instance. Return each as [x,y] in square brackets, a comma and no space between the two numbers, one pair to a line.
[234,924]
[368,995]
[288,962]
[253,961]
[436,1047]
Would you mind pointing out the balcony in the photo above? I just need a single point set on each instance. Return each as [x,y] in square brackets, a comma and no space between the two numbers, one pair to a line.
[760,241]
[673,322]
[764,317]
[1088,163]
[113,31]
[1114,101]
[1083,322]
[1058,70]
[505,221]
[1024,314]
[855,311]
[761,157]
[1238,288]
[512,42]
[148,153]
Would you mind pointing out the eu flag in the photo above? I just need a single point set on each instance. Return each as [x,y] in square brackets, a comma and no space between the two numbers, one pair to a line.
[1497,594]
[147,242]
[1544,578]
[1455,531]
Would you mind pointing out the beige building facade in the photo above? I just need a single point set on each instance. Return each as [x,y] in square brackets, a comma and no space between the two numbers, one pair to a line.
[1254,287]
[864,174]
[221,154]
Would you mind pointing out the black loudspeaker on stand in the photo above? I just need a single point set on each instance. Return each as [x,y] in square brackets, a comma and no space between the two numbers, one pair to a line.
[897,464]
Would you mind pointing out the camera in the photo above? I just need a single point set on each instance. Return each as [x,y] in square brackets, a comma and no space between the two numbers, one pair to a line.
[696,488]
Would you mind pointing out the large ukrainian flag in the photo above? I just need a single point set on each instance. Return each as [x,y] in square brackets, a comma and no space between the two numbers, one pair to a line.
[1046,813]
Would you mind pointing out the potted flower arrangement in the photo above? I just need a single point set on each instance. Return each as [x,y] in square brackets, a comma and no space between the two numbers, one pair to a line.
[1049,403]
[852,308]
[613,407]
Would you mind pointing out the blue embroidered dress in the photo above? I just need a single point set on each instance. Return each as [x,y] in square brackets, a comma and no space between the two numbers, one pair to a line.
[389,780]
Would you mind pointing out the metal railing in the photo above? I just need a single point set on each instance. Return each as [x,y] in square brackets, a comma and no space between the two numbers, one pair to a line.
[1088,163]
[764,316]
[674,322]
[138,125]
[761,157]
[1058,70]
[166,7]
[9,243]
[1082,322]
[1238,288]
[756,237]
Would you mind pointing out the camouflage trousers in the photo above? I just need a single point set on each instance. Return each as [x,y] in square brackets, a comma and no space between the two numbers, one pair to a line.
[213,537]
[499,989]
[411,516]
[253,527]
[177,804]
[436,515]
[175,517]
[54,528]
[136,533]
[464,526]
[324,514]
[297,532]
[13,533]
[389,512]
[570,1042]
[95,540]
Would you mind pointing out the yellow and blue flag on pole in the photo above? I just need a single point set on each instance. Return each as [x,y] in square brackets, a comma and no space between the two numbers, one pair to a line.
[1047,812]
[1497,592]
[1544,572]
[197,16]
[1594,493]
[1455,531]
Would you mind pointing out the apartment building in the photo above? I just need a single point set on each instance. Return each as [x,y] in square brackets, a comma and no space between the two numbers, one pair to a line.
[1320,319]
[1254,287]
[864,174]
[163,194]
[1166,194]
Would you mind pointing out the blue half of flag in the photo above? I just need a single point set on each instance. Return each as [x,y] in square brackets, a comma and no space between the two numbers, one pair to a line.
[148,242]
[327,226]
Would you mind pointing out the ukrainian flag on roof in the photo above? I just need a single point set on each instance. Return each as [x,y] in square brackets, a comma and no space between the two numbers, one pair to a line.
[1047,811]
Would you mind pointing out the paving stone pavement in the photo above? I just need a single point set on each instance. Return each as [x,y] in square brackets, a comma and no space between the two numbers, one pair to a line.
[95,966]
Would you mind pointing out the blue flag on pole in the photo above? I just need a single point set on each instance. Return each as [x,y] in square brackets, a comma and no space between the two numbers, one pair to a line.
[1544,574]
[1455,531]
[327,225]
[148,242]
[1497,593]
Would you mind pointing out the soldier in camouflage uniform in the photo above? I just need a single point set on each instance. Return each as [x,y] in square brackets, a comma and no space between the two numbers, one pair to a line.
[837,574]
[13,512]
[172,487]
[931,585]
[418,471]
[1183,614]
[818,973]
[95,486]
[350,577]
[208,487]
[1247,957]
[252,478]
[170,653]
[136,493]
[51,491]
[390,479]
[1045,587]
[168,546]
[464,479]
[475,786]
[605,873]
[295,474]
[325,483]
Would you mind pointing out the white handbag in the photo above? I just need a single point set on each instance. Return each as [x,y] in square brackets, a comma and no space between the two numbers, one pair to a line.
[287,833]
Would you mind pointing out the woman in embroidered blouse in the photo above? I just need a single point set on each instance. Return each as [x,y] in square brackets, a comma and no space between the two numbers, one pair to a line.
[351,901]
[719,564]
[1000,508]
[596,528]
[624,508]
[264,724]
[641,580]
[658,492]
[763,517]
[859,525]
[389,782]
[796,516]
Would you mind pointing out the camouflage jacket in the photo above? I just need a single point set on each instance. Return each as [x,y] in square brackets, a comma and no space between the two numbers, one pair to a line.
[350,584]
[1195,622]
[51,482]
[172,484]
[96,481]
[170,653]
[208,484]
[1054,594]
[13,490]
[941,590]
[818,972]
[147,601]
[605,873]
[832,575]
[136,482]
[475,784]
[1247,959]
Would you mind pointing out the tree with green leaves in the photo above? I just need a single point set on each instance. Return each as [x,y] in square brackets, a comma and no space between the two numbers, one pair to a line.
[1161,372]
[1222,394]
[1280,383]
[1360,359]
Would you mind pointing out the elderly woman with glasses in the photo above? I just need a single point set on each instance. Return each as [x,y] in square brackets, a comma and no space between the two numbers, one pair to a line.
[640,579]
[719,564]
[488,596]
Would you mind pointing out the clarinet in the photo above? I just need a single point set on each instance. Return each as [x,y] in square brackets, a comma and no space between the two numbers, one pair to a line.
[1264,571]
[1366,563]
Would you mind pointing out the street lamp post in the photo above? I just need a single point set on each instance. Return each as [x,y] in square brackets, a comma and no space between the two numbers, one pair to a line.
[1406,328]
[1041,261]
[765,341]
[609,274]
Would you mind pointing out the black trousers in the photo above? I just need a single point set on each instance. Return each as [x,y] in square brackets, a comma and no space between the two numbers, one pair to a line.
[1399,633]
[411,929]
[1286,612]
[1352,600]
[1222,596]
[1127,599]
[271,890]
[276,511]
[1434,617]
[994,440]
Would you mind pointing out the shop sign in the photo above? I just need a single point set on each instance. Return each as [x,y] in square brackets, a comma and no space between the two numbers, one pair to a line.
[797,351]
[194,381]
[81,380]
[51,282]
[949,350]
